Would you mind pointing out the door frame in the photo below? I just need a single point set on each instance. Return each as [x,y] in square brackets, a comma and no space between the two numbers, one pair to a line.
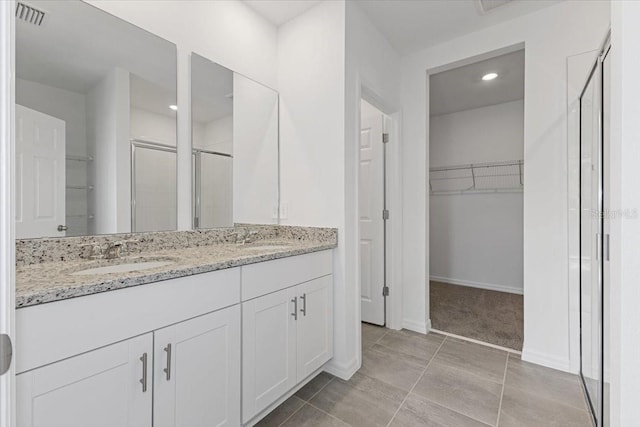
[7,206]
[393,203]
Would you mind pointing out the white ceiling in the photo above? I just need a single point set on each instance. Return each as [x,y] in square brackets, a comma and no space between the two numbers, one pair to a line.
[280,11]
[462,88]
[78,44]
[412,25]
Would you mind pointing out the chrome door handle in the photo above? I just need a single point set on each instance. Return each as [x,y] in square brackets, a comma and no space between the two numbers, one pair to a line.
[143,380]
[6,353]
[303,310]
[295,308]
[167,370]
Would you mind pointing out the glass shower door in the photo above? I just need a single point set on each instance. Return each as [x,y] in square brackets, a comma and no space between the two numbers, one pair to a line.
[591,243]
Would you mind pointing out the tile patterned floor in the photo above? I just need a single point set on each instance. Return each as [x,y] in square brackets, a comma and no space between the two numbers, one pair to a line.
[409,379]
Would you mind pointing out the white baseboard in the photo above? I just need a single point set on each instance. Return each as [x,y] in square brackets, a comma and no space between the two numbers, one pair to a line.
[547,360]
[344,371]
[412,325]
[481,285]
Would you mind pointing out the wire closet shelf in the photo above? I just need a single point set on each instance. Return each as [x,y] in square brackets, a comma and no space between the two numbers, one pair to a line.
[493,177]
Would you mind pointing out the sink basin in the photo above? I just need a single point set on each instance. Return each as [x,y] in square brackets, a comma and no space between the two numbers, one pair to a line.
[267,247]
[122,268]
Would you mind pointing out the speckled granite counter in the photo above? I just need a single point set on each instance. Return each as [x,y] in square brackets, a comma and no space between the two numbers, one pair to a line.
[51,280]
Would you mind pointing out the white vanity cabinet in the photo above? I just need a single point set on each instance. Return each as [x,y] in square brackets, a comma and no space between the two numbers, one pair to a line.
[197,371]
[110,386]
[287,334]
[170,353]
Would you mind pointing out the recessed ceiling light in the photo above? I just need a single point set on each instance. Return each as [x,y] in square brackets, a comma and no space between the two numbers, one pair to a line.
[175,107]
[489,76]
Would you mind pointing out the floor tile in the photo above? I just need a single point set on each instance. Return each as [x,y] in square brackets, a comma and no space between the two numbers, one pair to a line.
[418,411]
[394,368]
[361,401]
[474,358]
[417,345]
[314,386]
[550,383]
[371,334]
[281,413]
[309,416]
[523,409]
[471,395]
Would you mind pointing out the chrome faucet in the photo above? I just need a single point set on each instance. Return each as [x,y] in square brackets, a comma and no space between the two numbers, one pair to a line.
[118,249]
[113,250]
[245,235]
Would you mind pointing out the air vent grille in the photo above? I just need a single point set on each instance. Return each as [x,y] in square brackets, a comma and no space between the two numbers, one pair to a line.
[29,14]
[489,5]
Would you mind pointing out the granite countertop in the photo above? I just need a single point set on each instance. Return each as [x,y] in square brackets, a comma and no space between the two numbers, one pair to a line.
[54,281]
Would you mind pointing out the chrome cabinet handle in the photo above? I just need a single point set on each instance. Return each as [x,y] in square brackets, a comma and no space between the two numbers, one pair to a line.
[143,380]
[295,308]
[167,370]
[62,228]
[303,310]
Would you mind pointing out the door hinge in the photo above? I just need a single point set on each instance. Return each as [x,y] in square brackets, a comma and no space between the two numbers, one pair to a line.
[385,214]
[385,291]
[385,138]
[6,353]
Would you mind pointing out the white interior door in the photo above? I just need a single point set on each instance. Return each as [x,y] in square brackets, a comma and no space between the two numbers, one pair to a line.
[40,174]
[371,205]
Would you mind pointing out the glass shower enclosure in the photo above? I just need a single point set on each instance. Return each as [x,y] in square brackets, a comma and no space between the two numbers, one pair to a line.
[594,238]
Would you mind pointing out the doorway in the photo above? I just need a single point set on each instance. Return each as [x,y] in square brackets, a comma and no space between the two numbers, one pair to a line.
[476,204]
[372,213]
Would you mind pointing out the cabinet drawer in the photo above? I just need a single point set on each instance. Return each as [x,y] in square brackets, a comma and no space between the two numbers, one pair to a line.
[271,276]
[50,332]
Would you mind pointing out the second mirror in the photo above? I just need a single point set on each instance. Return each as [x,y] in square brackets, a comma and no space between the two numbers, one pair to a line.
[234,128]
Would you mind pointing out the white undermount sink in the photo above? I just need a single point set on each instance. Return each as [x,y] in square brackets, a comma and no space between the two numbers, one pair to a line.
[122,268]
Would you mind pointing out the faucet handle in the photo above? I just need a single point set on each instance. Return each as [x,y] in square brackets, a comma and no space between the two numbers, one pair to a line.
[96,250]
[124,246]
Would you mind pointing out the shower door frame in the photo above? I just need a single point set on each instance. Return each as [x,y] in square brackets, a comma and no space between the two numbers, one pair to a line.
[149,145]
[597,72]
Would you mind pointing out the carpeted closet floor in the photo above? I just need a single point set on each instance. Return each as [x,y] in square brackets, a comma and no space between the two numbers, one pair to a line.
[489,316]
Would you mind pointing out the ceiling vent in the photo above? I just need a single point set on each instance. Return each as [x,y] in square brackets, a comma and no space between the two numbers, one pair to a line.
[487,6]
[29,14]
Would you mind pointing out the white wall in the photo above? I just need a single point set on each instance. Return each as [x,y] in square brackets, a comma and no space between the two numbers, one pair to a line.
[625,232]
[488,134]
[108,137]
[63,104]
[227,32]
[549,37]
[152,127]
[311,63]
[255,152]
[477,239]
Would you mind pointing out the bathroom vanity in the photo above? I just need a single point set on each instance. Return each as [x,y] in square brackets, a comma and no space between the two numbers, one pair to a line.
[216,335]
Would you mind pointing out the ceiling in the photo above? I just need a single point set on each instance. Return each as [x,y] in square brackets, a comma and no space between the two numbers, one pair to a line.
[462,88]
[78,44]
[280,11]
[412,25]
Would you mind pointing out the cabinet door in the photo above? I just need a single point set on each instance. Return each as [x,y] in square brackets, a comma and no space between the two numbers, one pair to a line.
[315,325]
[101,388]
[268,350]
[197,371]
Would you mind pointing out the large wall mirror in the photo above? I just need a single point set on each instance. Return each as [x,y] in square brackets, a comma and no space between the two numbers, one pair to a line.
[234,128]
[95,123]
